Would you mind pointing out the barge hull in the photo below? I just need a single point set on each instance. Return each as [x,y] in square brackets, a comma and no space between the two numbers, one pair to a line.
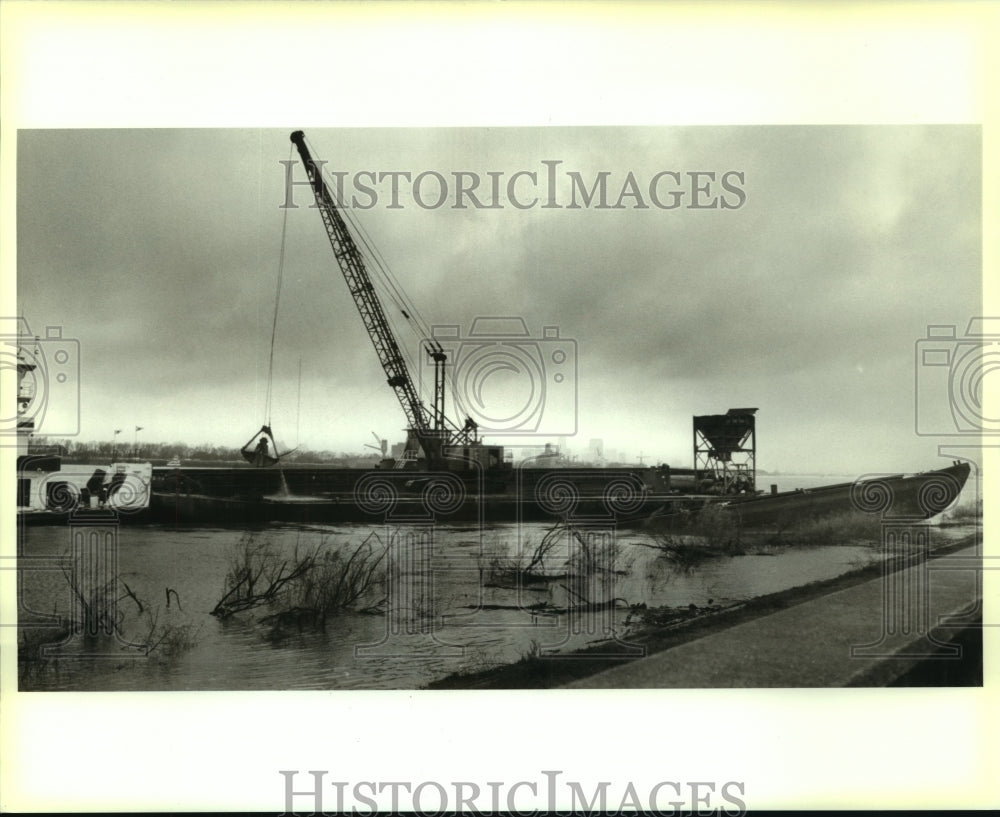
[587,496]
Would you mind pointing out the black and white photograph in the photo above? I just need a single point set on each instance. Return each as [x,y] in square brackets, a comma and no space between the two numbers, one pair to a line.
[587,413]
[497,407]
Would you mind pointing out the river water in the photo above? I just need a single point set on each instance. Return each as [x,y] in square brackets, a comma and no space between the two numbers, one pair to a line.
[445,602]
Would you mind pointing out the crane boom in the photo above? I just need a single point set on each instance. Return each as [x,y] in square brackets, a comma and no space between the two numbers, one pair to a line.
[352,265]
[427,430]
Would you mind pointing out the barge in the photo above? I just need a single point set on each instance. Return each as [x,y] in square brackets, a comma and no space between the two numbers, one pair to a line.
[897,496]
[588,497]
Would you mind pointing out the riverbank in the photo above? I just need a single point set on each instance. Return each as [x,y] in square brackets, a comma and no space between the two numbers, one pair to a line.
[683,626]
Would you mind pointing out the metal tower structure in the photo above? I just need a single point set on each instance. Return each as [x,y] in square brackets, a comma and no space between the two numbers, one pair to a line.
[725,450]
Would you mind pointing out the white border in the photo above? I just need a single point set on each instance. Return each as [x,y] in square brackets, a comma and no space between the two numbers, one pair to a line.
[345,64]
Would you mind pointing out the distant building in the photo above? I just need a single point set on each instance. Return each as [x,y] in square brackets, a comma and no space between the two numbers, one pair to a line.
[595,451]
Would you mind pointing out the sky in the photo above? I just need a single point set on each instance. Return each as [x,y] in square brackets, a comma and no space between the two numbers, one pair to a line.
[803,292]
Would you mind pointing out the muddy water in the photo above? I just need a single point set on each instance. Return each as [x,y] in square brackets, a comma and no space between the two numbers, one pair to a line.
[448,607]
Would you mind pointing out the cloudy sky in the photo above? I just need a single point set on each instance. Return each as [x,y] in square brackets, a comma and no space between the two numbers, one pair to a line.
[158,250]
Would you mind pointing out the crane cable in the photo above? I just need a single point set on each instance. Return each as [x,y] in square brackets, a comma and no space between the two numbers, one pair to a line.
[274,322]
[382,276]
[394,290]
[383,273]
[415,322]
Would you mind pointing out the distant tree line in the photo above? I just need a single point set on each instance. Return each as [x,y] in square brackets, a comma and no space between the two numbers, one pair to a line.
[160,453]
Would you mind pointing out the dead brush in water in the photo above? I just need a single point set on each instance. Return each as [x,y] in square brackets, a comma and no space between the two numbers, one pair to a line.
[300,588]
[112,611]
[564,551]
[106,617]
[500,566]
[705,534]
[531,563]
[338,580]
[31,643]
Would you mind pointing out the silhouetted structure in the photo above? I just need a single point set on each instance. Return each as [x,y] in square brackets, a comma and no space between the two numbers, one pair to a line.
[725,448]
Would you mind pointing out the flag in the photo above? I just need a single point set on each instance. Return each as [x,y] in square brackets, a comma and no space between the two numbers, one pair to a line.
[138,428]
[118,431]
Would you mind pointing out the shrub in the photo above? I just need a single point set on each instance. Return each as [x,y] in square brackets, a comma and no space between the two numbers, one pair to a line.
[847,528]
[693,537]
[299,588]
[967,512]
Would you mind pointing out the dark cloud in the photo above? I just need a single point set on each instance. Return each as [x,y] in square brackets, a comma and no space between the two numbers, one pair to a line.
[159,250]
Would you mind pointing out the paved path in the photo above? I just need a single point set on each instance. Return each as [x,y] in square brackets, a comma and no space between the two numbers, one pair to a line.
[821,643]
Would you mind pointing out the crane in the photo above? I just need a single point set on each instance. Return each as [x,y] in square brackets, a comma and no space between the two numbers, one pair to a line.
[429,432]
